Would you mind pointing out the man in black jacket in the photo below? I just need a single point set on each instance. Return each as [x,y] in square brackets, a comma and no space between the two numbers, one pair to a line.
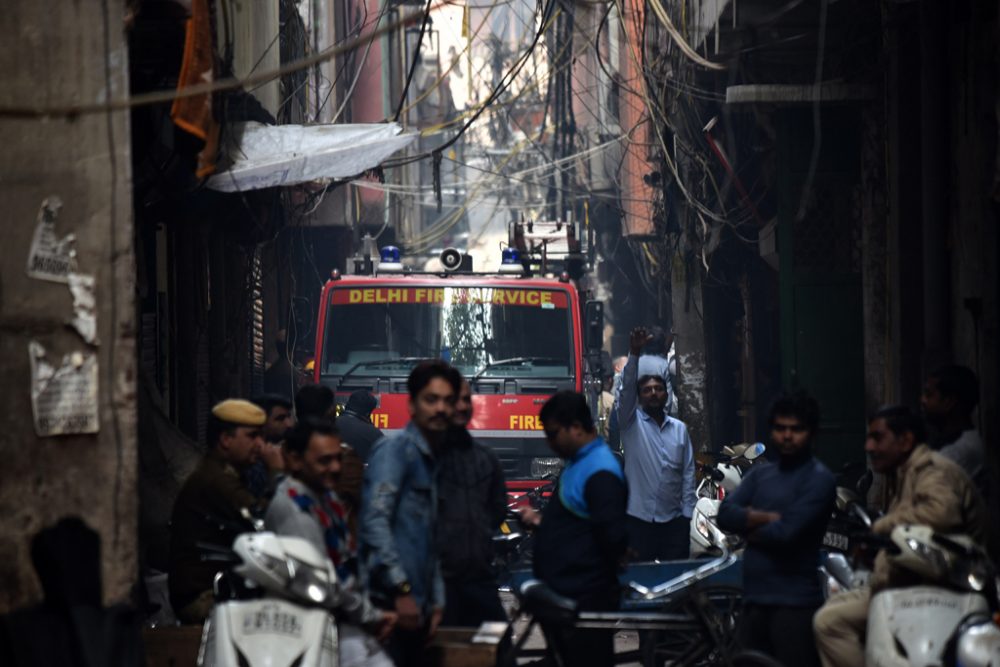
[472,503]
[580,537]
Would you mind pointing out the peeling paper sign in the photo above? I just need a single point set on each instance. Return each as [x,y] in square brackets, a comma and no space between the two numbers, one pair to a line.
[84,304]
[50,257]
[64,399]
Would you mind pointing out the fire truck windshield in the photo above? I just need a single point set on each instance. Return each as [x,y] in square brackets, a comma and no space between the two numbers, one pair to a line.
[382,332]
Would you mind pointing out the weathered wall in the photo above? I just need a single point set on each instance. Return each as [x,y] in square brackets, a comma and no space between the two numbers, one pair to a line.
[689,346]
[255,48]
[970,227]
[875,227]
[56,55]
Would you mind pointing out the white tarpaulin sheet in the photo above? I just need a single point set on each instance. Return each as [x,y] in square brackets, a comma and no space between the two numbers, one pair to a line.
[270,155]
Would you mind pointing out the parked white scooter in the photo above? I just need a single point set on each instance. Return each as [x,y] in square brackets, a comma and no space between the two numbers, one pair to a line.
[272,606]
[719,480]
[946,622]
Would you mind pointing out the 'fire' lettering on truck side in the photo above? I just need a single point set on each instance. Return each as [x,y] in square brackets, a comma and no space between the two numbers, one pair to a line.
[525,423]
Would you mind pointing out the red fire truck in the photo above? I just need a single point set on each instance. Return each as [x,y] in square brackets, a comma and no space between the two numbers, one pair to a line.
[516,336]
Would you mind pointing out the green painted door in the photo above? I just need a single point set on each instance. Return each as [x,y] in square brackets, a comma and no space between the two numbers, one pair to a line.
[821,310]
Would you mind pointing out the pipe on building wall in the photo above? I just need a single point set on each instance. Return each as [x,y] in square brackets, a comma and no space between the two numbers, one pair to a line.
[637,202]
[934,182]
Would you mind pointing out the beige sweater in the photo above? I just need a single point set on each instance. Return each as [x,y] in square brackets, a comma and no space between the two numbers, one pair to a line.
[931,491]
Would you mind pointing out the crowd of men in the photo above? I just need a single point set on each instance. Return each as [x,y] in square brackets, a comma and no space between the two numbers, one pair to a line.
[782,508]
[402,518]
[407,519]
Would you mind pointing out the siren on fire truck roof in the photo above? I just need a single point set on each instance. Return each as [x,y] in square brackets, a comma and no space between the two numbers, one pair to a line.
[389,260]
[510,262]
[451,259]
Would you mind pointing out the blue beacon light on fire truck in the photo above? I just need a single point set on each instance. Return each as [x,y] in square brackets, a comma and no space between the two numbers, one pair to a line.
[389,259]
[510,261]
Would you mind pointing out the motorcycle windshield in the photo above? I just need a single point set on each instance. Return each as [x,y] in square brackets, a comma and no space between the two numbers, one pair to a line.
[487,333]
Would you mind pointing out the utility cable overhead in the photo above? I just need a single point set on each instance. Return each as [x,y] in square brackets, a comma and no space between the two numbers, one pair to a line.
[229,83]
[360,67]
[697,205]
[501,86]
[494,107]
[416,59]
[437,82]
[423,189]
[668,24]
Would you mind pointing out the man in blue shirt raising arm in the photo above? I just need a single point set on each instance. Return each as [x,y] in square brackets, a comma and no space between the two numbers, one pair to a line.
[782,508]
[659,463]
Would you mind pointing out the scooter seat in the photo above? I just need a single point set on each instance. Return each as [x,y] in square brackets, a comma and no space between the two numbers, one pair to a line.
[545,604]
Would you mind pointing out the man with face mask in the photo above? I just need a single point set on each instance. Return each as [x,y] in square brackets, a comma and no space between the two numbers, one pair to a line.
[305,505]
[279,418]
[398,510]
[929,490]
[472,505]
[659,463]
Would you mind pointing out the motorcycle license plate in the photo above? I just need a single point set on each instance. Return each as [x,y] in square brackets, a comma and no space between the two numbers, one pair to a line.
[835,541]
[271,621]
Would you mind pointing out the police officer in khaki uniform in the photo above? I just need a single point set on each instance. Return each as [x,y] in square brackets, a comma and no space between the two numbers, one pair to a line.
[208,507]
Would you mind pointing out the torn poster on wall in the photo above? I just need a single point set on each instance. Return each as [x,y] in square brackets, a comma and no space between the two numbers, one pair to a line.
[84,320]
[63,399]
[50,257]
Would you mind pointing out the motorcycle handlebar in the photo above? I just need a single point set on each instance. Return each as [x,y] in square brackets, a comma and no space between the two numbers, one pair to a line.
[213,553]
[714,473]
[532,495]
[878,542]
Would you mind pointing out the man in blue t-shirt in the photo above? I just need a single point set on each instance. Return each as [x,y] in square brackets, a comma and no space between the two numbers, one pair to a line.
[782,507]
[580,537]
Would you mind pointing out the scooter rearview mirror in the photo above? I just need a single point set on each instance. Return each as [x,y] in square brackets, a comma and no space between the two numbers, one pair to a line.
[753,451]
[858,511]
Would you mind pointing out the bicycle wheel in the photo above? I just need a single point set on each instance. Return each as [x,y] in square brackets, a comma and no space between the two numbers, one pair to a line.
[714,611]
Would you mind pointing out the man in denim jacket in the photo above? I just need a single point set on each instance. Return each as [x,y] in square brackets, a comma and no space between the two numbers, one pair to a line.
[398,511]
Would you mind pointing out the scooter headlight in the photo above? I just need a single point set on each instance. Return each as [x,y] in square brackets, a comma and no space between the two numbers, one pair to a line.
[972,575]
[275,569]
[928,553]
[703,525]
[308,585]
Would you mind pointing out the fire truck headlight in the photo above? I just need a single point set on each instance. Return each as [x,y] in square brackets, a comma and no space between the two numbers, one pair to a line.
[544,466]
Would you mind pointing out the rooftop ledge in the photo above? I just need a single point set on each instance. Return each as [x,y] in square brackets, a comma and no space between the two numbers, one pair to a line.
[800,93]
